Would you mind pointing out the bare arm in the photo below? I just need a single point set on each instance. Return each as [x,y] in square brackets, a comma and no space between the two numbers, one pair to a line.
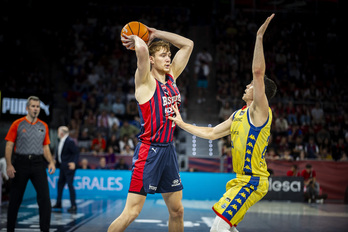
[8,156]
[48,156]
[259,107]
[184,45]
[212,133]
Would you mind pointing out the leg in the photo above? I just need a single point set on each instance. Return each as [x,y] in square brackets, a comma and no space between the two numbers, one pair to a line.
[17,189]
[60,187]
[70,181]
[134,205]
[176,211]
[40,183]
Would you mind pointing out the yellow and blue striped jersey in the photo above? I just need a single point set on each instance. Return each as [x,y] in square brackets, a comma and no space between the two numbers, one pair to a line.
[249,144]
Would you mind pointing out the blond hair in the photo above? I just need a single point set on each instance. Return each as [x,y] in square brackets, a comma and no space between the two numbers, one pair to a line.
[157,46]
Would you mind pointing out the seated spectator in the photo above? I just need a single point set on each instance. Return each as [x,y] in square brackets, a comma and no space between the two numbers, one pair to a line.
[114,143]
[293,171]
[287,155]
[105,105]
[225,111]
[102,163]
[84,164]
[281,126]
[84,141]
[298,149]
[119,108]
[103,122]
[90,122]
[98,143]
[131,110]
[312,149]
[127,150]
[121,165]
[271,154]
[126,141]
[110,155]
[128,129]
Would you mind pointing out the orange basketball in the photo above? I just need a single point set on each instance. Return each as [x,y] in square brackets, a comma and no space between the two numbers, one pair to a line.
[136,28]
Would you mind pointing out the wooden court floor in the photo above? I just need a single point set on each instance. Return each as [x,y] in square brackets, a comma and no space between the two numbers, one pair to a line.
[95,215]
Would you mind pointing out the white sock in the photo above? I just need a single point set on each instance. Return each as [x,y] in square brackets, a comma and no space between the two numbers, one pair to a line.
[219,225]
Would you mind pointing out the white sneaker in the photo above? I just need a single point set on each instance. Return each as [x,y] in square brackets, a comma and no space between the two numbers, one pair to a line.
[233,229]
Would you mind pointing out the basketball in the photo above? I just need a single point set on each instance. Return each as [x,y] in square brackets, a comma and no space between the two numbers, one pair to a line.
[136,28]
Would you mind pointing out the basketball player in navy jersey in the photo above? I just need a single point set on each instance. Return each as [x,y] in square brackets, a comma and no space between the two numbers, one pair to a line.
[155,166]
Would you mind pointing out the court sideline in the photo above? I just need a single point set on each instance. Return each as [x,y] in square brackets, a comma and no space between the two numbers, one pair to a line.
[96,215]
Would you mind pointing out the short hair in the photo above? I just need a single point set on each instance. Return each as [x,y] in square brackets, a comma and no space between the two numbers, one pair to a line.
[270,88]
[34,98]
[157,45]
[308,165]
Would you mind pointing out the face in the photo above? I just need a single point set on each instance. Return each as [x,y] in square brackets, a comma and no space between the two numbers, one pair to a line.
[33,108]
[248,93]
[161,60]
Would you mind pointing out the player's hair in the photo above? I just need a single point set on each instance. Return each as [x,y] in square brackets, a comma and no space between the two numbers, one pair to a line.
[34,98]
[270,88]
[158,45]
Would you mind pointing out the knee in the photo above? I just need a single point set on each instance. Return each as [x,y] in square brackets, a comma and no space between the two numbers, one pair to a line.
[177,212]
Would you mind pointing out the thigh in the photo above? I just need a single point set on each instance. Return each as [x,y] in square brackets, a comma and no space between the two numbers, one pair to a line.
[173,200]
[170,177]
[38,177]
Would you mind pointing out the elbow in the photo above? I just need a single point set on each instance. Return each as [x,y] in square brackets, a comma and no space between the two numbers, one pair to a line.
[258,72]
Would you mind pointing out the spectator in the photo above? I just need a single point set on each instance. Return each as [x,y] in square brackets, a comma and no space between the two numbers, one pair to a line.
[291,113]
[126,140]
[131,110]
[119,108]
[312,149]
[114,143]
[103,122]
[293,171]
[127,150]
[105,105]
[281,126]
[298,150]
[128,129]
[110,155]
[102,163]
[112,119]
[121,164]
[312,187]
[98,143]
[225,111]
[317,114]
[84,164]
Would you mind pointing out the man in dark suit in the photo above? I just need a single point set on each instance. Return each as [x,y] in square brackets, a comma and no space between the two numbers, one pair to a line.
[67,157]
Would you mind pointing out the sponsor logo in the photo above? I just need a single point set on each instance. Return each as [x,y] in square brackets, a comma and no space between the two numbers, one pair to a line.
[176,182]
[284,186]
[155,150]
[151,187]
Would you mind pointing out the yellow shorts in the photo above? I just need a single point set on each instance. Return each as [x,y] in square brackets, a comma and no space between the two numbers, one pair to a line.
[241,193]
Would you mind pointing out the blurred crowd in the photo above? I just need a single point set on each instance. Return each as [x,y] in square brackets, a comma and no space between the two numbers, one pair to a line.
[309,111]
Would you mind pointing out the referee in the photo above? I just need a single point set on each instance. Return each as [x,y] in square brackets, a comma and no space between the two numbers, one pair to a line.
[28,137]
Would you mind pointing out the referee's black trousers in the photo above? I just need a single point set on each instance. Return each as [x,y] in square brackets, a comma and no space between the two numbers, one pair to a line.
[34,170]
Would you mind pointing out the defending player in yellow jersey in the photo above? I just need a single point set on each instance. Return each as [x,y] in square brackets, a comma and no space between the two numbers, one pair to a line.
[250,130]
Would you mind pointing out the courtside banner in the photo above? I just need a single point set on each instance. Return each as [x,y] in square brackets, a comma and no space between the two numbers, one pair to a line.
[285,188]
[115,183]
